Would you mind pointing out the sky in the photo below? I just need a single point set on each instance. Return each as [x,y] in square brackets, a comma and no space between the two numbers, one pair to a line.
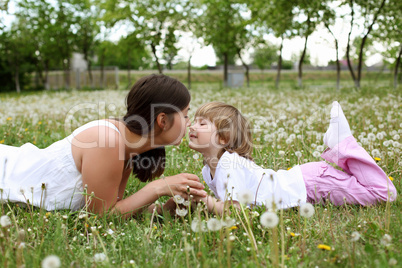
[320,44]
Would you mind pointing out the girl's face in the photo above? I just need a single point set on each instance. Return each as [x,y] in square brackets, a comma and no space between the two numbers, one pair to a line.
[203,136]
[176,132]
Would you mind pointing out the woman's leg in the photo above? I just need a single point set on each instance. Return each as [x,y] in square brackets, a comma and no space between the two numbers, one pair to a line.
[363,181]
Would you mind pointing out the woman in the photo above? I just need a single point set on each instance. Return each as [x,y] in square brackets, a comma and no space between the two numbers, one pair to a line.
[92,166]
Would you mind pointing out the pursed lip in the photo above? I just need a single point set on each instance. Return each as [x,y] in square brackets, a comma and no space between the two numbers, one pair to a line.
[192,135]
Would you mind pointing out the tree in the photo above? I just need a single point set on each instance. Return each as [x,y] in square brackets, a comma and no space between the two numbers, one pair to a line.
[389,33]
[264,56]
[370,10]
[152,21]
[313,11]
[224,31]
[274,16]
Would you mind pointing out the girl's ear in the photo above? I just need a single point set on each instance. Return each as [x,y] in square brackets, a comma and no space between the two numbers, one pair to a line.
[161,120]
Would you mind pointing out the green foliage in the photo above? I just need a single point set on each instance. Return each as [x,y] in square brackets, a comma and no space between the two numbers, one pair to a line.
[265,56]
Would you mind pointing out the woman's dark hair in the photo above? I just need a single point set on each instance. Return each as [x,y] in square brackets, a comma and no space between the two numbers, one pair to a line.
[150,96]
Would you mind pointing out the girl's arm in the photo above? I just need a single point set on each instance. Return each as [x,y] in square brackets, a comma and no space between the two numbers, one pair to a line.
[218,206]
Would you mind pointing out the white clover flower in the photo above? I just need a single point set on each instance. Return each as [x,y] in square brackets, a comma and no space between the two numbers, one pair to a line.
[214,224]
[245,197]
[5,221]
[99,257]
[355,236]
[181,212]
[178,199]
[51,261]
[386,240]
[306,210]
[269,219]
[298,154]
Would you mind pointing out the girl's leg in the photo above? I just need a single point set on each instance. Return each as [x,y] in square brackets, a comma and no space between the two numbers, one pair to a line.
[363,181]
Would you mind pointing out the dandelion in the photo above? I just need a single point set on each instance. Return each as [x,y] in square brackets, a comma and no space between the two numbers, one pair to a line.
[281,153]
[51,261]
[371,137]
[5,221]
[396,137]
[324,247]
[391,178]
[214,224]
[196,156]
[316,154]
[377,159]
[198,226]
[232,238]
[181,212]
[320,148]
[298,154]
[228,222]
[245,197]
[392,262]
[99,257]
[178,199]
[355,236]
[380,135]
[386,240]
[306,210]
[269,219]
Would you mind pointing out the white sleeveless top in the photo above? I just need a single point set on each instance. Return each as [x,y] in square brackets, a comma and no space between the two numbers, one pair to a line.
[23,171]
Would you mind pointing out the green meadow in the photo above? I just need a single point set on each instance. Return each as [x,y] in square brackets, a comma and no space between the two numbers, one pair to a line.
[288,128]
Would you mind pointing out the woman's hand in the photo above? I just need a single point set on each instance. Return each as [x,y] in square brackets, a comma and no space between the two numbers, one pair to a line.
[183,184]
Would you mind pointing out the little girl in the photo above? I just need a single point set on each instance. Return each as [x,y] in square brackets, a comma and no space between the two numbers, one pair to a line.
[223,136]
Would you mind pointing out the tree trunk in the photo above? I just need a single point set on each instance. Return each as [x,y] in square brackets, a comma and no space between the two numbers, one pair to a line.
[66,67]
[225,69]
[46,78]
[17,79]
[278,73]
[338,66]
[189,72]
[397,63]
[156,58]
[352,73]
[301,63]
[359,66]
[246,67]
[102,67]
[129,68]
[91,80]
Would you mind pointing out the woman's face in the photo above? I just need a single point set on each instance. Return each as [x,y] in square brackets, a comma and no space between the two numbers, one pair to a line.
[178,127]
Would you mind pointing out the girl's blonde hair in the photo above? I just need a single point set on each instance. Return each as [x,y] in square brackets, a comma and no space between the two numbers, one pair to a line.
[231,125]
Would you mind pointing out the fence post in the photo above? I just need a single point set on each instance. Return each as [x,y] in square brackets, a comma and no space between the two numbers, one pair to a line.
[116,71]
[77,79]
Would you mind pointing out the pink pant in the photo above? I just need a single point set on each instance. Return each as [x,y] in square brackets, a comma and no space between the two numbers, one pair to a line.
[362,182]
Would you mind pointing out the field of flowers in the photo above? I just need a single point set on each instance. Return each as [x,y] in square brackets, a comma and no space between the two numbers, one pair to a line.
[288,129]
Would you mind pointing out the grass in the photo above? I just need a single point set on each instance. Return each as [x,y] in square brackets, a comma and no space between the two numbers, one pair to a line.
[148,240]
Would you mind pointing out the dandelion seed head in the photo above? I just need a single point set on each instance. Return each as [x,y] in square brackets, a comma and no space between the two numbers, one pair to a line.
[5,221]
[51,261]
[181,212]
[269,219]
[214,224]
[245,197]
[386,240]
[355,236]
[99,257]
[178,199]
[198,226]
[306,210]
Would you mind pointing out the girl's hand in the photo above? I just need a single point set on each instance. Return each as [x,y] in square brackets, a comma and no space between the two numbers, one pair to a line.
[178,185]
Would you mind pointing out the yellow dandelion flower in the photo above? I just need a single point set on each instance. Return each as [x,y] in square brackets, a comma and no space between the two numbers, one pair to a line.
[233,228]
[40,123]
[292,234]
[377,159]
[325,247]
[289,168]
[388,177]
[48,214]
[2,141]
[9,118]
[26,129]
[156,228]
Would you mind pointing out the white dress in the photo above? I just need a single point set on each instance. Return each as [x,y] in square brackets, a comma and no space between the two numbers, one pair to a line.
[235,174]
[25,170]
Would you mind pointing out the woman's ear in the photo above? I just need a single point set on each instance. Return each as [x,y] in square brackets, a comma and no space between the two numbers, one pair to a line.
[161,120]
